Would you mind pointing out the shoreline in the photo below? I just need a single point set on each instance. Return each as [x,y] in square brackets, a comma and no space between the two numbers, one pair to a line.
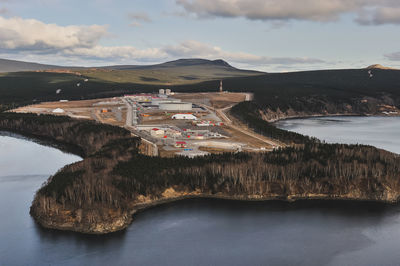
[49,142]
[274,121]
[140,208]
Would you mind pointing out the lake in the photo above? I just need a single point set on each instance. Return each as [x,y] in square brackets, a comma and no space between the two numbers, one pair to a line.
[381,132]
[206,232]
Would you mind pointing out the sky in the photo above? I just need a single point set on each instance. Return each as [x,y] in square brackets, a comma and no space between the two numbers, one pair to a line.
[266,35]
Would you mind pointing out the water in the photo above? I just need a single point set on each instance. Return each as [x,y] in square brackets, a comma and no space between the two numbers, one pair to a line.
[200,232]
[382,132]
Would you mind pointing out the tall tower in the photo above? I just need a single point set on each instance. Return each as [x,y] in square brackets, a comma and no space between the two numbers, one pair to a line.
[221,89]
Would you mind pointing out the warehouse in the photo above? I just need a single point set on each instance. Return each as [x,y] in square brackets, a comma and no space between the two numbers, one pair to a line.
[158,101]
[170,106]
[184,116]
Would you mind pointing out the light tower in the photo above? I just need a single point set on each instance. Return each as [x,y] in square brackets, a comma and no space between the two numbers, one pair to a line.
[221,89]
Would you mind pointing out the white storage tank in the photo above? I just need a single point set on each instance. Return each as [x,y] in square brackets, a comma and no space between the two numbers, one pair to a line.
[168,106]
[184,117]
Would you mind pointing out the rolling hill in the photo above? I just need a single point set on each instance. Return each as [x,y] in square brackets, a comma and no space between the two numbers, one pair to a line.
[323,91]
[182,71]
[178,72]
[16,66]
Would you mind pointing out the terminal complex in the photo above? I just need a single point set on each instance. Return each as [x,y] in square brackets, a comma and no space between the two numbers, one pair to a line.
[189,124]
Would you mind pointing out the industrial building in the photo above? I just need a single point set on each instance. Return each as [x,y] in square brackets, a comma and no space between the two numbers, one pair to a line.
[175,106]
[158,101]
[157,133]
[181,144]
[184,117]
[58,111]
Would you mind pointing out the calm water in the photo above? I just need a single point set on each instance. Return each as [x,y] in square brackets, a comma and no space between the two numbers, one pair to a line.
[382,132]
[201,232]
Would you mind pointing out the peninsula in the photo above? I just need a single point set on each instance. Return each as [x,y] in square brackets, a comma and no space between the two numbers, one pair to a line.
[118,176]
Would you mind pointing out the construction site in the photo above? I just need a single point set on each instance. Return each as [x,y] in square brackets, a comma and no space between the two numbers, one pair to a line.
[170,124]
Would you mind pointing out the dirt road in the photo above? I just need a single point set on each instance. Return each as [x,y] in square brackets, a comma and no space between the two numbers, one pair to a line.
[221,113]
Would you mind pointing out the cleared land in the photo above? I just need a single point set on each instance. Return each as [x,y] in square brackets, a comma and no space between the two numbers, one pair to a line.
[212,107]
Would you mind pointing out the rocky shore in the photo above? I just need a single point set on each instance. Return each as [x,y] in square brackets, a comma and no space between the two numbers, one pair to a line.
[72,220]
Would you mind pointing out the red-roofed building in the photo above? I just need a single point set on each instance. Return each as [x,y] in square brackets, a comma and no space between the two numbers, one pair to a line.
[181,144]
[157,133]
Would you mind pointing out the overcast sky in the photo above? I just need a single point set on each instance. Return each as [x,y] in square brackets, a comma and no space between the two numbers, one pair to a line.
[269,35]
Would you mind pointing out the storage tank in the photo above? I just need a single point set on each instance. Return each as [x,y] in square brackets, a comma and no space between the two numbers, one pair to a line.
[168,106]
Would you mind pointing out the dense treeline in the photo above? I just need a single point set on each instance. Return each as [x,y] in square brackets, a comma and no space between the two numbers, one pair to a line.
[249,114]
[87,136]
[100,186]
[335,86]
[330,91]
[314,168]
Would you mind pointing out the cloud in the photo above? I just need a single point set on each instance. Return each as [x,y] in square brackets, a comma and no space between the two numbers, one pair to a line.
[138,18]
[197,49]
[30,38]
[135,24]
[30,34]
[393,56]
[118,52]
[368,12]
[379,16]
[4,11]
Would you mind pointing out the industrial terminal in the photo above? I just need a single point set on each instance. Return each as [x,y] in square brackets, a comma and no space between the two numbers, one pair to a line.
[170,124]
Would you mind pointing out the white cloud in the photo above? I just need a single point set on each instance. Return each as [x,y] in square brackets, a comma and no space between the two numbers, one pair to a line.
[367,11]
[30,34]
[393,56]
[35,39]
[118,52]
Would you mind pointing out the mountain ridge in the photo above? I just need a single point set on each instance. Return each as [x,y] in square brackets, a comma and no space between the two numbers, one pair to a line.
[8,65]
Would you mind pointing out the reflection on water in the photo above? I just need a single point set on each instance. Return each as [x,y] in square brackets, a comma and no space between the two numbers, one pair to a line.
[18,156]
[381,132]
[195,232]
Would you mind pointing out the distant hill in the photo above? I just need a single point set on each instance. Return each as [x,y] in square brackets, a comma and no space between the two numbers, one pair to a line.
[178,72]
[378,66]
[182,71]
[17,66]
[175,63]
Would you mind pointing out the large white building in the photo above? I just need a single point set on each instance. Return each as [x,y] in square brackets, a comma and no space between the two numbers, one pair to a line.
[184,117]
[176,106]
[158,101]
